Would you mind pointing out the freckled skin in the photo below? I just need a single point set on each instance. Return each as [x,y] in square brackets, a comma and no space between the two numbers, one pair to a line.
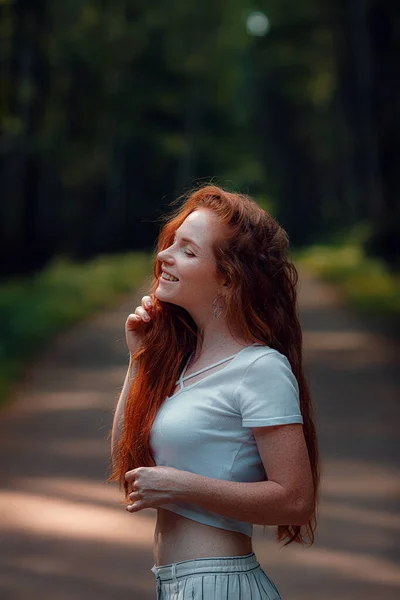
[194,267]
[177,538]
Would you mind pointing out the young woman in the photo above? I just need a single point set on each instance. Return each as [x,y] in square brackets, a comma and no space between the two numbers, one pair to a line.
[214,425]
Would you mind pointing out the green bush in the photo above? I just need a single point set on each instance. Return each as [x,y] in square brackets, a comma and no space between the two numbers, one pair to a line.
[368,284]
[33,309]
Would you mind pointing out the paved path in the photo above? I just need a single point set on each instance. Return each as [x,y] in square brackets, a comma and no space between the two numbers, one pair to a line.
[64,535]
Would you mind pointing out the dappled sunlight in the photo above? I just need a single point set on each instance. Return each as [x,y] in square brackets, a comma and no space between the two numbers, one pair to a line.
[337,340]
[352,540]
[64,400]
[37,514]
[80,569]
[71,542]
[347,349]
[73,377]
[359,480]
[70,489]
[64,528]
[43,565]
[89,448]
[73,534]
[356,565]
[352,565]
[360,515]
[119,119]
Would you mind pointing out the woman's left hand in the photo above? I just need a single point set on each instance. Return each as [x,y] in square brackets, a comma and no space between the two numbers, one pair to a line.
[153,486]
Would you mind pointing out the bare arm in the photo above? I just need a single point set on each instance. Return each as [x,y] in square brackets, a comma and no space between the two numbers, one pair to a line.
[118,422]
[287,497]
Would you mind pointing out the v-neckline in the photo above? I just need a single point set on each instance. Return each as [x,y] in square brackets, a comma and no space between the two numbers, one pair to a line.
[182,388]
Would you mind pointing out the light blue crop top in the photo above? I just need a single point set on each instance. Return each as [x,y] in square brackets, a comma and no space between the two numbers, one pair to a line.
[205,427]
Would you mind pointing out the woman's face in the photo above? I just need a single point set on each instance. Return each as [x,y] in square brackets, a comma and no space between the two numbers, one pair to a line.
[190,259]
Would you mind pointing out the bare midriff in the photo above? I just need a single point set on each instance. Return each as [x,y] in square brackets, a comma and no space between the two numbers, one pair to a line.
[177,538]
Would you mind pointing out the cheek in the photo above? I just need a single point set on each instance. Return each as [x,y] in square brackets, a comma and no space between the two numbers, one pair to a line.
[200,283]
[195,272]
[198,272]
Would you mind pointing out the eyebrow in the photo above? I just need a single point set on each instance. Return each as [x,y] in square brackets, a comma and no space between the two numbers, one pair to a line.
[185,239]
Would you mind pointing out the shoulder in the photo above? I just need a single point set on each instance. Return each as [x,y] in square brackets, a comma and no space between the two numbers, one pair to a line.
[264,366]
[261,358]
[268,391]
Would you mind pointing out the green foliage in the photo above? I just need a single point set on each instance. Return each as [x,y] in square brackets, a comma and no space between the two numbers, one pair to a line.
[34,309]
[366,282]
[110,107]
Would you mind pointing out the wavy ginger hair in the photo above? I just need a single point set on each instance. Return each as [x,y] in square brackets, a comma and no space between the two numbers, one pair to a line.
[261,306]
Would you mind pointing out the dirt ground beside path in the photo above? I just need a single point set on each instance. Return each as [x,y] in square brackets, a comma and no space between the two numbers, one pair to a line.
[64,533]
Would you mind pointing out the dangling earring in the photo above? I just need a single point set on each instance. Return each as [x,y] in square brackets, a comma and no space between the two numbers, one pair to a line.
[218,304]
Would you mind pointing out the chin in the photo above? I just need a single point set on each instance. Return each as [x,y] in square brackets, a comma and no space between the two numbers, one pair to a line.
[161,295]
[165,298]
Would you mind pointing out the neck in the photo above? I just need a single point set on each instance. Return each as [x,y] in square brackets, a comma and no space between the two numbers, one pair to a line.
[216,338]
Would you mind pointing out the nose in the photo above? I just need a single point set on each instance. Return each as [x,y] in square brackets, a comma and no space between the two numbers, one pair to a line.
[164,256]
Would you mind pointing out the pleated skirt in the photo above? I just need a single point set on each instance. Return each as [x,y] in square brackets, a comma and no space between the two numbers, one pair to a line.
[216,578]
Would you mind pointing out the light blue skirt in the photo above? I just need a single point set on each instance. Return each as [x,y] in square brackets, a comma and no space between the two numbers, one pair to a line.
[216,578]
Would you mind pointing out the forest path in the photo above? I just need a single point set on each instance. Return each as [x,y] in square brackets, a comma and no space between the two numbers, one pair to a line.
[65,535]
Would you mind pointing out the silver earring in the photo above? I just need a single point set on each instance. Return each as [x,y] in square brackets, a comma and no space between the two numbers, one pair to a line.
[218,305]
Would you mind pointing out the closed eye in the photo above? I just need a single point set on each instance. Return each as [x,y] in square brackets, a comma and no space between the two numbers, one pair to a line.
[185,251]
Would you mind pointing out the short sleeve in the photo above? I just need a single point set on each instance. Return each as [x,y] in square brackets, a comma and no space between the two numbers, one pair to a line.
[268,393]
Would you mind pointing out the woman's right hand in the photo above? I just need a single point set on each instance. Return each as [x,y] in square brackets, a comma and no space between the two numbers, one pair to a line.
[135,321]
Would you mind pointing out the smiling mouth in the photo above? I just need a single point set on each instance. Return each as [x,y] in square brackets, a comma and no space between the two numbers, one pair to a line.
[167,277]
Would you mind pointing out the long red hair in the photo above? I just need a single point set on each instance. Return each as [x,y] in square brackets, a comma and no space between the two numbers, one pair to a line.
[261,306]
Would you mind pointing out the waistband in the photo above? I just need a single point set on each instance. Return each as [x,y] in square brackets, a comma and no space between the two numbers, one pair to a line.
[214,564]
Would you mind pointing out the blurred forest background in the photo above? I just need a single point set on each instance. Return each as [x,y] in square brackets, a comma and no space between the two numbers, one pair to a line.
[110,109]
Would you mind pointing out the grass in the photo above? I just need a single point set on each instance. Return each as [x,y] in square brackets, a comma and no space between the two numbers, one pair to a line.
[34,309]
[367,283]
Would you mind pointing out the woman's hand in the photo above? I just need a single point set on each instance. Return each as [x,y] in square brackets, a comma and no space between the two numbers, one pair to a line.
[135,321]
[153,486]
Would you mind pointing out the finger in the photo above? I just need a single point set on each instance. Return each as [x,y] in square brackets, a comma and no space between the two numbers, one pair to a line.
[133,318]
[147,302]
[142,313]
[130,475]
[134,507]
